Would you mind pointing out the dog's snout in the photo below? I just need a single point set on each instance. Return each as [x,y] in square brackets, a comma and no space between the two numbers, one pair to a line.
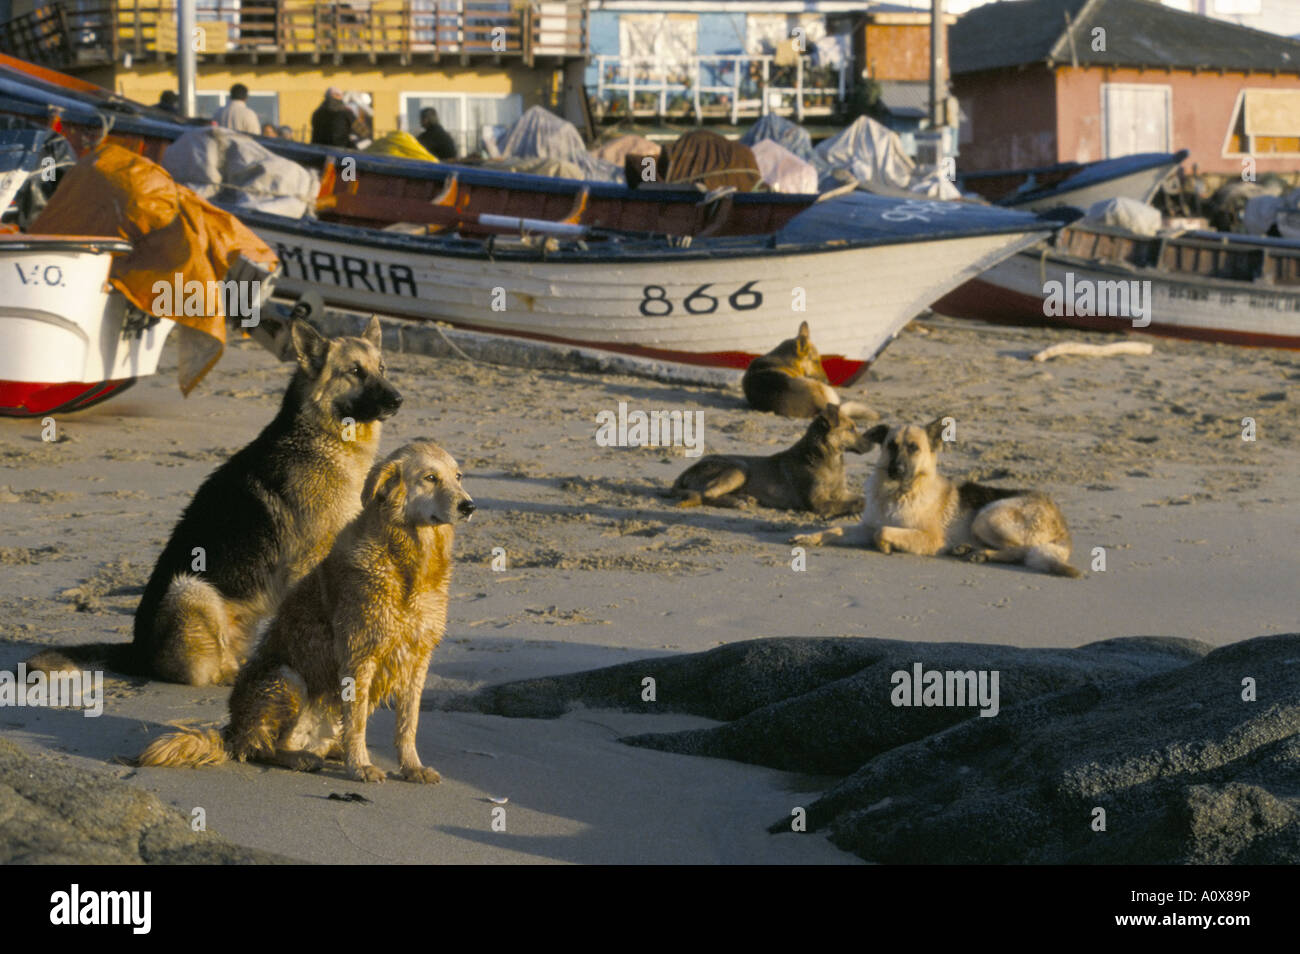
[466,508]
[393,398]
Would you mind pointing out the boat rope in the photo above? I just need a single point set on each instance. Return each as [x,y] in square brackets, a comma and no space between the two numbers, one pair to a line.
[437,326]
[106,124]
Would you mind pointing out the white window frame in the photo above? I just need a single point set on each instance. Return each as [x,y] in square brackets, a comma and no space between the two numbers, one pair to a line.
[1169,113]
[404,123]
[1237,109]
[223,97]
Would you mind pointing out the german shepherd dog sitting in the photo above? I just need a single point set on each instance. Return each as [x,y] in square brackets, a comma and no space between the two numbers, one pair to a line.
[259,522]
[910,508]
[808,476]
[789,380]
[358,631]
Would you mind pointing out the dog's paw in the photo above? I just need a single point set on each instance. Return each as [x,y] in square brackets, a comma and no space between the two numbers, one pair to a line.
[962,549]
[977,556]
[806,539]
[367,773]
[422,774]
[304,762]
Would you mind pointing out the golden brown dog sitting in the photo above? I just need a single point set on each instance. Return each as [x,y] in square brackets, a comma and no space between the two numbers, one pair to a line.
[358,631]
[789,380]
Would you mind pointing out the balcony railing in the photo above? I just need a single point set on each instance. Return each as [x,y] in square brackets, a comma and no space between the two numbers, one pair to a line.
[93,33]
[732,86]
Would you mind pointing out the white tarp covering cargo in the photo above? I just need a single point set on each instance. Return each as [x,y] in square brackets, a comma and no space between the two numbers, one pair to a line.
[1125,213]
[782,170]
[240,172]
[782,131]
[872,154]
[617,150]
[540,134]
[1265,214]
[865,151]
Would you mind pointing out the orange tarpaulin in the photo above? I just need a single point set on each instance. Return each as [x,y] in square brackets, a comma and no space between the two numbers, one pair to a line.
[114,192]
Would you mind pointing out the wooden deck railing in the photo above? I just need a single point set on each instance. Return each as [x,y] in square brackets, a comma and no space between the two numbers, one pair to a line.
[65,35]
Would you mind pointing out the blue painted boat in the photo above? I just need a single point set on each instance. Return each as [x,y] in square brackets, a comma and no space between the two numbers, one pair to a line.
[1073,184]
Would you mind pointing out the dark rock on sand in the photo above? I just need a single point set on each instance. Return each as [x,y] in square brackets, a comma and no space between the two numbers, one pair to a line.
[1185,769]
[723,683]
[54,813]
[1153,730]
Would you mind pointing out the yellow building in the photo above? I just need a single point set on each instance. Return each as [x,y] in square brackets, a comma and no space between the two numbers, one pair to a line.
[478,62]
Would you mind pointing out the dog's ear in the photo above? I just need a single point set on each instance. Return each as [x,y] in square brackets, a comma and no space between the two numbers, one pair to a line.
[374,332]
[878,434]
[309,347]
[832,413]
[384,482]
[804,331]
[934,432]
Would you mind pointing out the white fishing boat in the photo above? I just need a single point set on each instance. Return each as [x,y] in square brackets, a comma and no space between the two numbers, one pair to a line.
[1076,185]
[859,266]
[69,341]
[1213,286]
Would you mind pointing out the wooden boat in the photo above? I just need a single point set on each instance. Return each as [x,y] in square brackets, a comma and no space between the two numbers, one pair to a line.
[69,342]
[374,190]
[863,265]
[1212,286]
[1075,184]
[860,266]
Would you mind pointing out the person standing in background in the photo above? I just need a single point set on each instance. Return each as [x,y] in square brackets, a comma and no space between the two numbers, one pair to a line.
[434,138]
[237,114]
[331,124]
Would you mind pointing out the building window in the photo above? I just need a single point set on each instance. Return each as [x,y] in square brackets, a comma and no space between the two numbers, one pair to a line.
[266,105]
[1265,122]
[1136,118]
[463,114]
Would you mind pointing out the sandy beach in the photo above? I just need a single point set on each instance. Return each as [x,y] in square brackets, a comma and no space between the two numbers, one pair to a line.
[1144,454]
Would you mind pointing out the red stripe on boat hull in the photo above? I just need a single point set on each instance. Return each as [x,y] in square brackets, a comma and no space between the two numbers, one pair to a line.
[840,370]
[984,301]
[28,399]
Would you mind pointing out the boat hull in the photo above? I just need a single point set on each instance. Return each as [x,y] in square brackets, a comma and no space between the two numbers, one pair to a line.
[69,340]
[704,307]
[1196,309]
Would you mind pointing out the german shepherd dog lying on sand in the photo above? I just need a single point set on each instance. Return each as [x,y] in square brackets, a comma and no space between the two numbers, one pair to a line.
[808,476]
[359,630]
[260,521]
[789,380]
[910,508]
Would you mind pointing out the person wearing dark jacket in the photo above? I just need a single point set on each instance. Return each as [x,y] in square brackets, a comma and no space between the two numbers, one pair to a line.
[331,124]
[434,138]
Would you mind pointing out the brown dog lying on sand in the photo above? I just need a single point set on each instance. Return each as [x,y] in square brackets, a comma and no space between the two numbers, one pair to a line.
[911,508]
[358,631]
[807,476]
[789,380]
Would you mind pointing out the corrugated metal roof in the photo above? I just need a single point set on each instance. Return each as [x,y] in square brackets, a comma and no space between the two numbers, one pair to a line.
[1137,33]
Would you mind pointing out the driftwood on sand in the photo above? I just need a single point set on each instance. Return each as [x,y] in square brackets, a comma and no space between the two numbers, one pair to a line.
[1093,350]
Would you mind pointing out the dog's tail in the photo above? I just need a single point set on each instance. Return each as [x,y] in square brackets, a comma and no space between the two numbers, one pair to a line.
[859,412]
[119,657]
[1051,558]
[188,748]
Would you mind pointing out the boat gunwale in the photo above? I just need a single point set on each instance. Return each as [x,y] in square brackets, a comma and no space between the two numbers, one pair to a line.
[639,250]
